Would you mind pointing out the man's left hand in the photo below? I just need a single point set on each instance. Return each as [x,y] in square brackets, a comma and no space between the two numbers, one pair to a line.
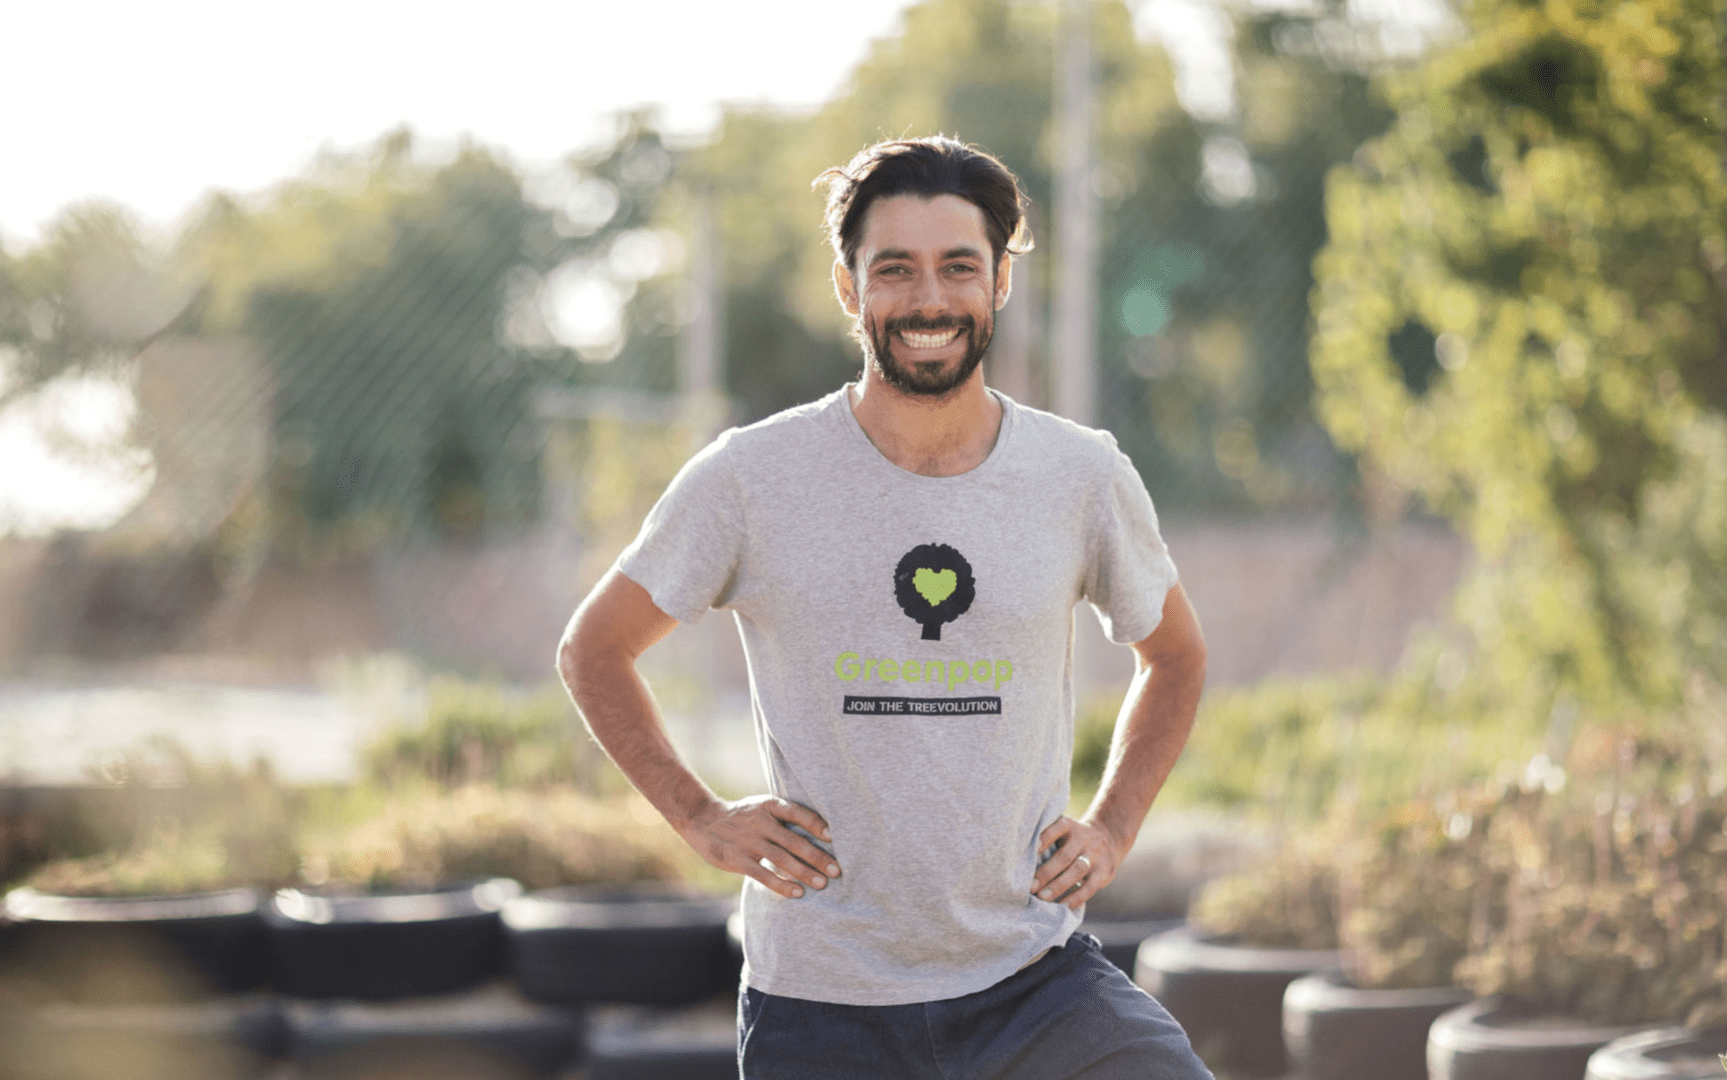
[1084,862]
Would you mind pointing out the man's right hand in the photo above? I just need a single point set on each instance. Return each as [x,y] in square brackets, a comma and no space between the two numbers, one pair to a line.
[753,836]
[597,660]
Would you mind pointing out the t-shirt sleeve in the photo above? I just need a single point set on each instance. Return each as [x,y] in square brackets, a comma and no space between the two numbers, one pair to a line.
[1129,571]
[691,547]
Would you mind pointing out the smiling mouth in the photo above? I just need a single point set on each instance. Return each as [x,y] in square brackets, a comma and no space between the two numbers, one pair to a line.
[929,341]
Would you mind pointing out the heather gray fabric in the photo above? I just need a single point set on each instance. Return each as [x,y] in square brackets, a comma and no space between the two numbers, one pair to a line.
[910,651]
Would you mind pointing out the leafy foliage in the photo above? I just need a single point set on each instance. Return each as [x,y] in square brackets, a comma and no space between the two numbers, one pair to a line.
[620,468]
[1547,210]
[1289,901]
[1093,728]
[1588,889]
[1410,887]
[1204,296]
[1586,884]
[1296,748]
[1610,908]
[82,299]
[375,288]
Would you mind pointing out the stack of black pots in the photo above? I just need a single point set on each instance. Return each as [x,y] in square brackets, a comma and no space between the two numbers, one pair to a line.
[471,980]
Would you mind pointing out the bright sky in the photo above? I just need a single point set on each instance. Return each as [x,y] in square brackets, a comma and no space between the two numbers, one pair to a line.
[153,103]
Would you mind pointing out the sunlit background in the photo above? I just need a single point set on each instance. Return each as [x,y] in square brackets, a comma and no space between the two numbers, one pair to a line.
[343,347]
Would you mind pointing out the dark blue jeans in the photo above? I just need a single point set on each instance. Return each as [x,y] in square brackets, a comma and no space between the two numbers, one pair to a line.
[1072,1015]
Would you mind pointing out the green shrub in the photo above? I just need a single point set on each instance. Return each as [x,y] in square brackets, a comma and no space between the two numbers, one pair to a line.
[1277,744]
[1298,749]
[549,837]
[1611,905]
[1287,902]
[184,825]
[1409,888]
[1592,889]
[1093,727]
[161,862]
[482,733]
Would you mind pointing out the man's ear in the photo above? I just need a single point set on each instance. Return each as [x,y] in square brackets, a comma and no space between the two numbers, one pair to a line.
[1003,280]
[845,288]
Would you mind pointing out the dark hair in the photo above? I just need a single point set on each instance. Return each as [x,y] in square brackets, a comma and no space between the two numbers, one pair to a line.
[927,167]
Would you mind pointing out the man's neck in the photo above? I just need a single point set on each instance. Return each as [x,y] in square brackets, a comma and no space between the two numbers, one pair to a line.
[943,436]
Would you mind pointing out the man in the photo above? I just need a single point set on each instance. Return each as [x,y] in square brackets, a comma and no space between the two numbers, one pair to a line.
[902,558]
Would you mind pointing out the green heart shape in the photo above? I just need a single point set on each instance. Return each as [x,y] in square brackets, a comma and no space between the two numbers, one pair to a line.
[934,585]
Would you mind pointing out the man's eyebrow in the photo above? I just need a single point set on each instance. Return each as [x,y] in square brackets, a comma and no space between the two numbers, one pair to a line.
[888,255]
[891,254]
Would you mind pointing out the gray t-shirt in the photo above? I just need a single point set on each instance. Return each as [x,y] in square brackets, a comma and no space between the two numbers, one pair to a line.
[909,641]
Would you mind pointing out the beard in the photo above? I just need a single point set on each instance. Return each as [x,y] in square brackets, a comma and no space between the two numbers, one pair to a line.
[929,378]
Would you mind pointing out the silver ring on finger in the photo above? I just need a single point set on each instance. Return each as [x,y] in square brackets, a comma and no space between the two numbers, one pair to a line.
[1087,863]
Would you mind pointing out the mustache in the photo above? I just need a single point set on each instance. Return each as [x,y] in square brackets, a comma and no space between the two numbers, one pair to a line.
[917,324]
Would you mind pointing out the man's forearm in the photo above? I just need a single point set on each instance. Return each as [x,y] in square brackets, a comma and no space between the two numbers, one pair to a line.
[754,836]
[621,714]
[1150,731]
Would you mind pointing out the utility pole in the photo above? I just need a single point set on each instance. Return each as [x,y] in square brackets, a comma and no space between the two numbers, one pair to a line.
[702,412]
[1073,359]
[701,352]
[1073,345]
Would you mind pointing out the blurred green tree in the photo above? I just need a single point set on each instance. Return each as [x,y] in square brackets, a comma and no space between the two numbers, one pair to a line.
[613,203]
[378,288]
[1520,319]
[1206,274]
[82,299]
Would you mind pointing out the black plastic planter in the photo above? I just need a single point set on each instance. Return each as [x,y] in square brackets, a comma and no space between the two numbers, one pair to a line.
[644,945]
[1121,938]
[387,945]
[1502,1039]
[1228,997]
[488,1032]
[1335,1031]
[198,943]
[1668,1053]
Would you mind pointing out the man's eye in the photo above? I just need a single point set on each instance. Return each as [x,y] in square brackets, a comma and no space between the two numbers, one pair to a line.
[961,268]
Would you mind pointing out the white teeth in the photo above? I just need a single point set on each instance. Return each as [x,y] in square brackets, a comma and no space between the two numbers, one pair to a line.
[928,341]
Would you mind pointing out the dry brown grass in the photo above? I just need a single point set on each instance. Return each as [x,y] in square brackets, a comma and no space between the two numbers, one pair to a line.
[543,838]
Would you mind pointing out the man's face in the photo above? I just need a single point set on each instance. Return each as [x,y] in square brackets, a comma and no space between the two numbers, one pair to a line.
[924,294]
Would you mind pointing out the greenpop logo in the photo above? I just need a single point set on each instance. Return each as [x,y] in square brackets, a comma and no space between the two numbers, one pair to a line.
[850,667]
[934,585]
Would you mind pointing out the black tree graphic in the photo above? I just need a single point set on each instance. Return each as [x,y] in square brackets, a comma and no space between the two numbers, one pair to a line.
[934,585]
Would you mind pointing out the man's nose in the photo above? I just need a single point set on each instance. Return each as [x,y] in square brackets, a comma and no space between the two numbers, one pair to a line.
[929,298]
